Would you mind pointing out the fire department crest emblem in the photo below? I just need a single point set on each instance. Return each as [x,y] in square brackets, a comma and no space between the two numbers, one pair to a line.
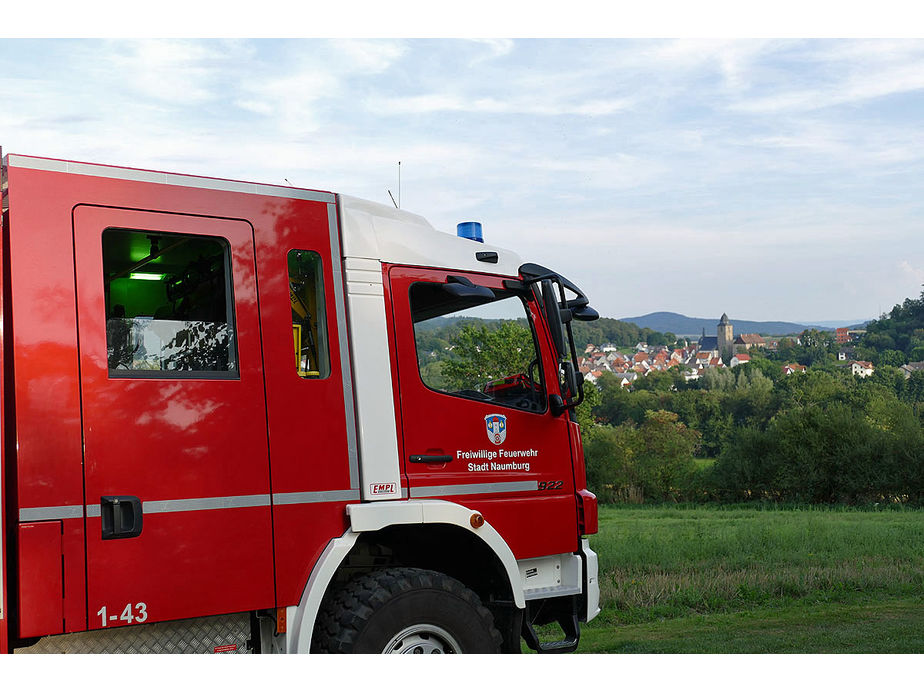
[496,425]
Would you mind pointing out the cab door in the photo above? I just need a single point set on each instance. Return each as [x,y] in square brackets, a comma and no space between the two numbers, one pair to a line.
[176,468]
[475,376]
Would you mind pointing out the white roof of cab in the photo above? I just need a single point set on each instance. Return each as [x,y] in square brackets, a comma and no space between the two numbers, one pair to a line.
[379,232]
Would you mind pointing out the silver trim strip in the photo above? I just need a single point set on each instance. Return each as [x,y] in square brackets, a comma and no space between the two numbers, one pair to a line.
[216,503]
[346,367]
[471,489]
[178,505]
[59,166]
[315,497]
[52,512]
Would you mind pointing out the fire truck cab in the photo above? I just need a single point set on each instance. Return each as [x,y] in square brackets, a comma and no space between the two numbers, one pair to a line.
[230,424]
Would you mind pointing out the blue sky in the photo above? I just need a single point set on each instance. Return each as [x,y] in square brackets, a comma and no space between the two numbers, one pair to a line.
[769,179]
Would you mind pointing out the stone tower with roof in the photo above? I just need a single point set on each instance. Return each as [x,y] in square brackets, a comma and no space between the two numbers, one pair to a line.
[725,339]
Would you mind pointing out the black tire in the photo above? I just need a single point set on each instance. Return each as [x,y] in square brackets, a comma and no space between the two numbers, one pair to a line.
[434,612]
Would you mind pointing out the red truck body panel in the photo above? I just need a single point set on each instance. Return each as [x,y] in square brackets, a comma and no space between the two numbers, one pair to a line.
[41,584]
[82,434]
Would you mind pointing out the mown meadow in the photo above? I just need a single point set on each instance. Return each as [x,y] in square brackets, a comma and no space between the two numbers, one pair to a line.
[758,579]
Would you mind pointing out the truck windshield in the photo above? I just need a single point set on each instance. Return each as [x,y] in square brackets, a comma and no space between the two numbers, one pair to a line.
[477,348]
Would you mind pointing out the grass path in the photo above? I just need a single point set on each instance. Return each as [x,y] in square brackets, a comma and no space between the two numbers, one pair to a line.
[894,626]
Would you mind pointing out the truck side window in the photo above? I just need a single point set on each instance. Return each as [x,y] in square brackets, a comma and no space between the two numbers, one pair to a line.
[480,349]
[168,305]
[309,322]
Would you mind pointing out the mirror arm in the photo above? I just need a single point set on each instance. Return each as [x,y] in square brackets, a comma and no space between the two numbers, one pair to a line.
[456,279]
[579,381]
[518,287]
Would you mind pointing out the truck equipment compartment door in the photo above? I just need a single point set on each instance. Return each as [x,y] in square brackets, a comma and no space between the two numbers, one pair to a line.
[176,468]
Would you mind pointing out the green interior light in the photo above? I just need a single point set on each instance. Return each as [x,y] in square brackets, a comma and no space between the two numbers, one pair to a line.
[147,276]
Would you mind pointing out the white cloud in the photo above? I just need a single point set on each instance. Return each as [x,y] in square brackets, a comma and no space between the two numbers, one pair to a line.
[841,73]
[629,164]
[497,48]
[290,102]
[366,56]
[915,274]
[517,105]
[172,71]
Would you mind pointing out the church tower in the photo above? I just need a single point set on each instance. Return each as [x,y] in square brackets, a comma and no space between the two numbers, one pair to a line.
[725,340]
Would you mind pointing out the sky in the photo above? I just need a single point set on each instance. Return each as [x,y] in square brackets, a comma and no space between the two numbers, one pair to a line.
[769,179]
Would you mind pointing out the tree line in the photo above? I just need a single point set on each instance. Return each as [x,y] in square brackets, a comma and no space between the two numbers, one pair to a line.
[754,434]
[740,435]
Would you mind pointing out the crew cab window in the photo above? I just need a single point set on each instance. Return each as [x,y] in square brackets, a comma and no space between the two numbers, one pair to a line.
[309,324]
[168,305]
[477,348]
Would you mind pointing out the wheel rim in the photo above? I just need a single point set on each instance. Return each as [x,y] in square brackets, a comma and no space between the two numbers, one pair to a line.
[422,638]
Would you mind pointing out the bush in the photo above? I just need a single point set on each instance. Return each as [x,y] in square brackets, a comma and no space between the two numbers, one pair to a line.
[653,461]
[832,454]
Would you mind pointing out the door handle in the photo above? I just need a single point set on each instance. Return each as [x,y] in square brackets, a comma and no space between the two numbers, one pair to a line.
[431,459]
[121,516]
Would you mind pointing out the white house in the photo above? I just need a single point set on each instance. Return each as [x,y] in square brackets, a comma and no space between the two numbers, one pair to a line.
[738,359]
[593,376]
[626,379]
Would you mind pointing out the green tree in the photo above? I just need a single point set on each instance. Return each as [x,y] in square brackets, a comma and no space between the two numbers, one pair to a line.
[720,379]
[612,468]
[913,388]
[665,454]
[481,353]
[653,461]
[901,330]
[656,381]
[585,411]
[891,357]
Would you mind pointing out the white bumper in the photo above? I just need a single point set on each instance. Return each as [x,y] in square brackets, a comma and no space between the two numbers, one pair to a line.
[591,582]
[561,575]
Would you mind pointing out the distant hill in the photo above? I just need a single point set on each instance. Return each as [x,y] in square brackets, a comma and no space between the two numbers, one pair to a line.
[681,325]
[852,324]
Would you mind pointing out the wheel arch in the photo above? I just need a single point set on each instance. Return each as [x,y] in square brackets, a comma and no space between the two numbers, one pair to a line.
[436,535]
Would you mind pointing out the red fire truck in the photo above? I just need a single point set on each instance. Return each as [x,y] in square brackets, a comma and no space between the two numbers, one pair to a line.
[228,425]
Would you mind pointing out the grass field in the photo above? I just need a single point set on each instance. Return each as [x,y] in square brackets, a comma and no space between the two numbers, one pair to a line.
[718,580]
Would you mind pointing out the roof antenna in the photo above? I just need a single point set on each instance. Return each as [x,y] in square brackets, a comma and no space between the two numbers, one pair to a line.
[398,203]
[287,181]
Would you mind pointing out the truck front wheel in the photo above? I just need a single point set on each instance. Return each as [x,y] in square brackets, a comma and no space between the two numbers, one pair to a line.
[405,611]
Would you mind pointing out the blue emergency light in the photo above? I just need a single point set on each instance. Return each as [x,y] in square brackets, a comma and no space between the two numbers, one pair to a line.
[470,230]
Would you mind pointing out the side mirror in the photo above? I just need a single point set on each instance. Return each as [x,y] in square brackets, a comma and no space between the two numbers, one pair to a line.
[553,316]
[585,314]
